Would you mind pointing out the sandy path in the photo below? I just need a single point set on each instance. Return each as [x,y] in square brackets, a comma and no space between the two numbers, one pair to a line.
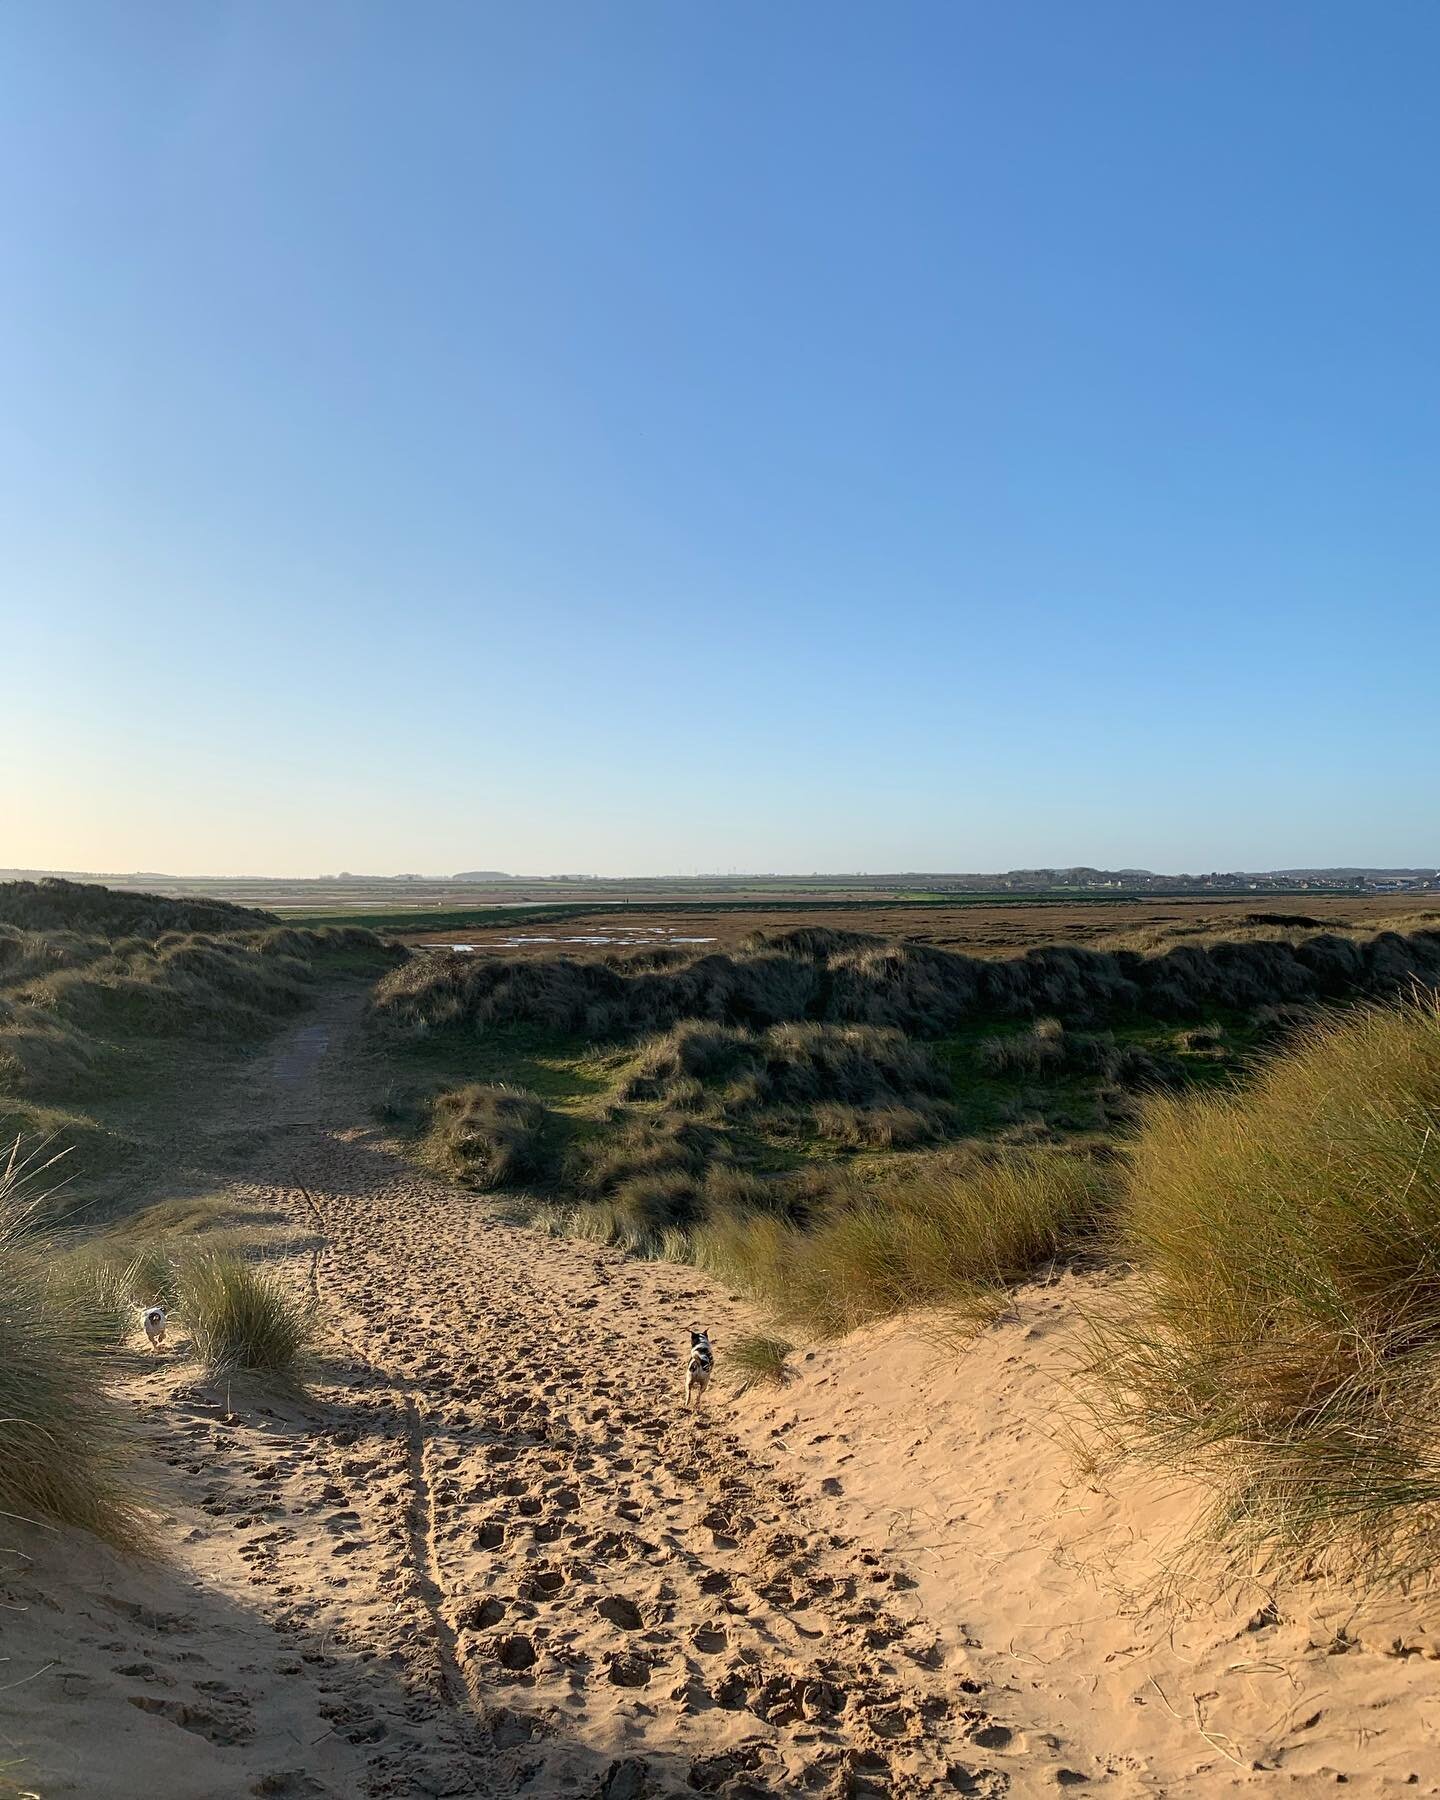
[491,1554]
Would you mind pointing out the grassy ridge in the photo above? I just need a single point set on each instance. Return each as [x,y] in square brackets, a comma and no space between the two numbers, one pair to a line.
[99,991]
[815,973]
[59,905]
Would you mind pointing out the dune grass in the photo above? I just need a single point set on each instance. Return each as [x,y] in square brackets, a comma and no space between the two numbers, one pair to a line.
[757,1361]
[815,976]
[1282,1336]
[488,1135]
[65,1455]
[241,1319]
[952,1240]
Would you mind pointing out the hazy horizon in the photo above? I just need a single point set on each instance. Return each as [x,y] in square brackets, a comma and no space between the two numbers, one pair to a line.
[838,873]
[660,437]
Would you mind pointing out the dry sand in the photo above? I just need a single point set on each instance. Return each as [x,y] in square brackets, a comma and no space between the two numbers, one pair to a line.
[491,1555]
[958,1463]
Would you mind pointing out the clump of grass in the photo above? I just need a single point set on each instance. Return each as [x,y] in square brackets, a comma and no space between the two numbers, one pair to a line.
[1283,1334]
[942,1238]
[732,1189]
[64,1450]
[736,1071]
[640,1147]
[490,1136]
[241,1319]
[877,1127]
[758,1361]
[647,1217]
[1029,1052]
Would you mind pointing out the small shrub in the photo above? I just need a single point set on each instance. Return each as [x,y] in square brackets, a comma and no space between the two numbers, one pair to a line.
[241,1319]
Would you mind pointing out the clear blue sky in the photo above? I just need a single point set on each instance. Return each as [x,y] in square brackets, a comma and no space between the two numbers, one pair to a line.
[654,435]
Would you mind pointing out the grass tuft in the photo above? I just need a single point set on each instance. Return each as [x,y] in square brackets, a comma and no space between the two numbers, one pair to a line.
[1282,1336]
[241,1319]
[65,1455]
[758,1361]
[490,1136]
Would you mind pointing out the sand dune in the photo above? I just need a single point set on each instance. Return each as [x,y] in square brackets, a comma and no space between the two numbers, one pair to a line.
[490,1554]
[958,1462]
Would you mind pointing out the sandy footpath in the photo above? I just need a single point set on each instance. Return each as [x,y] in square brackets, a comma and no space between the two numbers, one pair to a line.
[490,1554]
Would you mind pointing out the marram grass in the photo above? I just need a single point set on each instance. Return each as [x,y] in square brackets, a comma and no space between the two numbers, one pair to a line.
[65,1453]
[241,1319]
[1281,1338]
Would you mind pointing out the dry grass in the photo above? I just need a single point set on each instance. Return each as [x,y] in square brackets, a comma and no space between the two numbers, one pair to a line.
[490,1136]
[65,1456]
[816,977]
[1283,1334]
[952,1240]
[757,1361]
[240,1318]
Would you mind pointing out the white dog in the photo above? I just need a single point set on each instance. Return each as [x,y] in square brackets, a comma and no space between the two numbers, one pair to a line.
[153,1319]
[699,1369]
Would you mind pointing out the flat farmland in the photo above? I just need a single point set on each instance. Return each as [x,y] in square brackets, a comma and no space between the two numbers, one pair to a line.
[975,928]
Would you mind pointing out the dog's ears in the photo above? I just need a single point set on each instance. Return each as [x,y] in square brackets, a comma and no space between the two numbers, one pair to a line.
[695,1336]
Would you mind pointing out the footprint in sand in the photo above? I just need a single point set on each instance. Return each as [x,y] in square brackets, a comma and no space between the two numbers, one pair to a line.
[620,1611]
[482,1614]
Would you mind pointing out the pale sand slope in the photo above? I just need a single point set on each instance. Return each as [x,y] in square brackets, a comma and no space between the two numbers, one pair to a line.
[956,1461]
[490,1555]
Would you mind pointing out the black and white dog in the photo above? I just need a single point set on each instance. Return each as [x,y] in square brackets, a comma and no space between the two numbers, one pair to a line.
[699,1369]
[153,1319]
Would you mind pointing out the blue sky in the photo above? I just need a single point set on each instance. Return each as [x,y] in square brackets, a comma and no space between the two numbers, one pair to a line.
[657,436]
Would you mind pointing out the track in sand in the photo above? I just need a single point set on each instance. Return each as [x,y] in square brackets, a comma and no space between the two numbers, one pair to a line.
[491,1553]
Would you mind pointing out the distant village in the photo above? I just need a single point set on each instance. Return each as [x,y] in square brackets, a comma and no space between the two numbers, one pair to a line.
[1279,881]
